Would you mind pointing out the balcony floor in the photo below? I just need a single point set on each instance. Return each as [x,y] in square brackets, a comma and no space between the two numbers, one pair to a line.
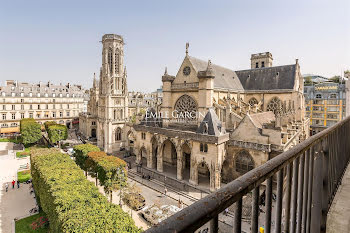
[338,219]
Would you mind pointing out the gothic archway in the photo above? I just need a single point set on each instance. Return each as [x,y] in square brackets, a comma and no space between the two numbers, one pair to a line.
[203,174]
[143,156]
[154,152]
[169,156]
[244,162]
[186,161]
[186,108]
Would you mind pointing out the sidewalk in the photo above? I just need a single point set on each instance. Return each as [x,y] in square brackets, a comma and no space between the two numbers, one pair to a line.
[16,202]
[139,221]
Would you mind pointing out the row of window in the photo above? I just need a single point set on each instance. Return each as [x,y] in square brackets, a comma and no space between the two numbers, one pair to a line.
[38,115]
[13,106]
[6,125]
[13,94]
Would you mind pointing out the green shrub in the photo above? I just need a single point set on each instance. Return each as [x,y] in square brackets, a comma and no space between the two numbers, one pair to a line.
[70,201]
[22,154]
[23,176]
[30,131]
[57,132]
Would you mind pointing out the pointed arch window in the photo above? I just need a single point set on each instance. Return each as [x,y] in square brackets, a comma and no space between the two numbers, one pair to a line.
[252,102]
[274,105]
[110,59]
[118,134]
[117,61]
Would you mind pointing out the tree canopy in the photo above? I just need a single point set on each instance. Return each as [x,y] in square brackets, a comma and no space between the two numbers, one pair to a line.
[57,132]
[30,131]
[110,171]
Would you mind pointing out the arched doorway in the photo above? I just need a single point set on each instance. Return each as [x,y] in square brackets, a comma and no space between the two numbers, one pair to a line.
[154,152]
[143,155]
[93,133]
[186,161]
[203,175]
[169,158]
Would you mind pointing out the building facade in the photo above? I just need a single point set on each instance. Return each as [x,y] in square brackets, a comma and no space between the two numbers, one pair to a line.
[42,102]
[215,124]
[325,105]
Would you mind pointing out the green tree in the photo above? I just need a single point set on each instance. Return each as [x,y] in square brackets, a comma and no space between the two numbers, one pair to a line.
[308,81]
[111,172]
[81,154]
[49,123]
[30,131]
[57,133]
[336,79]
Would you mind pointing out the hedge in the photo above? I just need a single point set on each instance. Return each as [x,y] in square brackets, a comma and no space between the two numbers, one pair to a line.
[70,201]
[81,154]
[30,131]
[109,170]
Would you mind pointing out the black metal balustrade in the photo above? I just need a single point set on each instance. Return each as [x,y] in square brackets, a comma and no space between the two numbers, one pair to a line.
[306,176]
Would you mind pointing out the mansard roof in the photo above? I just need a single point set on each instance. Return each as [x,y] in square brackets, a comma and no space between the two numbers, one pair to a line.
[268,78]
[224,78]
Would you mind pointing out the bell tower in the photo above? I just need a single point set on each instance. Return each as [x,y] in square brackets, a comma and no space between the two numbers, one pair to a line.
[113,98]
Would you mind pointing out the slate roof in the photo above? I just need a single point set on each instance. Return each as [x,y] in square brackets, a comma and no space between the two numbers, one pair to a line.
[224,78]
[259,119]
[268,78]
[212,123]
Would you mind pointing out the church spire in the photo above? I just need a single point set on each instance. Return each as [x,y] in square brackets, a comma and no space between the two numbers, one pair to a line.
[187,45]
[94,82]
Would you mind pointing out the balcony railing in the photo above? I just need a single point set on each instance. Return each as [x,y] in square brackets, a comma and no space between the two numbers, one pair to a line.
[180,86]
[307,178]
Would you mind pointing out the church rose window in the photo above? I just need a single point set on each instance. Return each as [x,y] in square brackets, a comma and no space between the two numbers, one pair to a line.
[185,107]
[244,162]
[253,102]
[274,105]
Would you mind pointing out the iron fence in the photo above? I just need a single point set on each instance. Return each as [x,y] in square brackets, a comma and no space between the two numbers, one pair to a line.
[307,177]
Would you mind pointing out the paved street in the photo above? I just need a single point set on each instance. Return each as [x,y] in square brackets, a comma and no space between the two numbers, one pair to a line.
[16,202]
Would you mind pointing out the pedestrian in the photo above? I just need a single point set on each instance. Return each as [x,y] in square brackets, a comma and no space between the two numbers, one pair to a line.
[165,190]
[18,184]
[179,203]
[13,184]
[226,211]
[7,187]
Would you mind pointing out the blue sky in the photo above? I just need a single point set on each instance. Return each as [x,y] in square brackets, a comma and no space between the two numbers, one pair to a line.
[59,40]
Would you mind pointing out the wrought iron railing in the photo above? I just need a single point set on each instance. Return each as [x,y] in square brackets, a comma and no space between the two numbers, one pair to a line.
[306,176]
